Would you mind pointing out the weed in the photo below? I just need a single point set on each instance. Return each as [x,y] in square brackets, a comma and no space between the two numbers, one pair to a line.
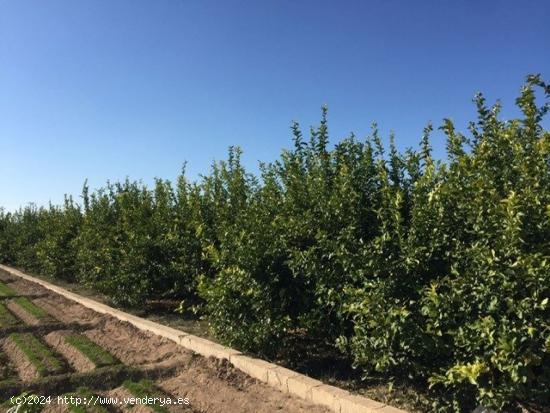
[95,353]
[31,308]
[7,319]
[6,291]
[40,356]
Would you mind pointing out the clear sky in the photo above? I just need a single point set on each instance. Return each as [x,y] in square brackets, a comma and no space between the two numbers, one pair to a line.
[104,89]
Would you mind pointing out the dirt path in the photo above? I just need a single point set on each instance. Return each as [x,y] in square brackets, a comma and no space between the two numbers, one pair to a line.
[75,351]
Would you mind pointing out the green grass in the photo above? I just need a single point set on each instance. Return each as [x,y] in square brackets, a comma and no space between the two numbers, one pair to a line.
[7,319]
[6,291]
[40,356]
[31,308]
[96,354]
[145,388]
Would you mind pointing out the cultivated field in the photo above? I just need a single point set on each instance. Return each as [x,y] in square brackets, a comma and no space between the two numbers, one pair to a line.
[50,346]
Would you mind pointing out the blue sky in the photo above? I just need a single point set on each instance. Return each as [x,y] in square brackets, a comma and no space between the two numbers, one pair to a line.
[106,89]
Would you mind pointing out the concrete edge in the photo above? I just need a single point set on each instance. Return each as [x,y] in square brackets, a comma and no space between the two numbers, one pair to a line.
[280,378]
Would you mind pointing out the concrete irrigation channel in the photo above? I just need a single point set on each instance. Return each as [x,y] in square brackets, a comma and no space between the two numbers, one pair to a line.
[65,348]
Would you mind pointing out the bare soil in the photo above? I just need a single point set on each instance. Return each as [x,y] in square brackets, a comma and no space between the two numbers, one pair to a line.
[234,391]
[76,359]
[22,314]
[67,311]
[210,385]
[24,368]
[132,346]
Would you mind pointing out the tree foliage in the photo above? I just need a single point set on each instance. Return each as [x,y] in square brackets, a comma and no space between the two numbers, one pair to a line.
[432,271]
